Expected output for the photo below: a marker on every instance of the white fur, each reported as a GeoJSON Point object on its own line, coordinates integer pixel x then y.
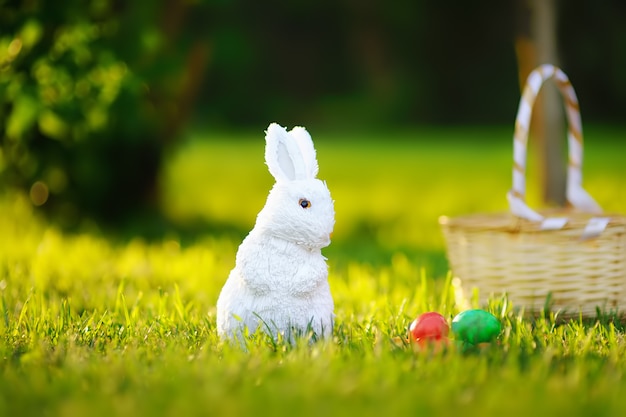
{"type": "Point", "coordinates": [280, 279]}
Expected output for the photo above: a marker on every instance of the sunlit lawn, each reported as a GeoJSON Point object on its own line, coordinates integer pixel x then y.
{"type": "Point", "coordinates": [92, 324]}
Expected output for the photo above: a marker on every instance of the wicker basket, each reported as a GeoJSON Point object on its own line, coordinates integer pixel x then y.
{"type": "Point", "coordinates": [573, 260]}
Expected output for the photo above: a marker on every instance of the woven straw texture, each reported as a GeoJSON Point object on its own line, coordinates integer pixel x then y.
{"type": "Point", "coordinates": [572, 261]}
{"type": "Point", "coordinates": [503, 255]}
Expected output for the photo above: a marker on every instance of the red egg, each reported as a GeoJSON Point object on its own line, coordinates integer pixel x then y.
{"type": "Point", "coordinates": [429, 327]}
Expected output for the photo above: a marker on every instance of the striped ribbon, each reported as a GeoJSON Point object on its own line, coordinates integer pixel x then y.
{"type": "Point", "coordinates": [575, 194]}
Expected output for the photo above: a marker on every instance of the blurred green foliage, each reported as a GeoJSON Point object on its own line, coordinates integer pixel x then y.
{"type": "Point", "coordinates": [90, 95]}
{"type": "Point", "coordinates": [376, 63]}
{"type": "Point", "coordinates": [93, 94]}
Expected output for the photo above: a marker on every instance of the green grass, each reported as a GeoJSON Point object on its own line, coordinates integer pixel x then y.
{"type": "Point", "coordinates": [94, 325]}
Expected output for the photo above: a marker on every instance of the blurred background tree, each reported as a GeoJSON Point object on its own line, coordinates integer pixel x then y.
{"type": "Point", "coordinates": [94, 93]}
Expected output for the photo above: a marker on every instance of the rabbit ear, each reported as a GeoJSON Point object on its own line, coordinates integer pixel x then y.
{"type": "Point", "coordinates": [305, 143]}
{"type": "Point", "coordinates": [283, 155]}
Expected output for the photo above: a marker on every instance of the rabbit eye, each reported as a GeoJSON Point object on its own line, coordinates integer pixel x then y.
{"type": "Point", "coordinates": [304, 203]}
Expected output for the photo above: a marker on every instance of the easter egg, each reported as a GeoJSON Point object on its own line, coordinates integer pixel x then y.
{"type": "Point", "coordinates": [429, 327]}
{"type": "Point", "coordinates": [475, 326]}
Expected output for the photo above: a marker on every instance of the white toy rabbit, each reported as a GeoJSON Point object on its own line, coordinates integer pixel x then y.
{"type": "Point", "coordinates": [280, 279]}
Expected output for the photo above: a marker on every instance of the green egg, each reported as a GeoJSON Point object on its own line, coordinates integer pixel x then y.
{"type": "Point", "coordinates": [475, 326]}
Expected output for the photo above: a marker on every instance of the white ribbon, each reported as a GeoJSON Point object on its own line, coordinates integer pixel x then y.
{"type": "Point", "coordinates": [575, 194]}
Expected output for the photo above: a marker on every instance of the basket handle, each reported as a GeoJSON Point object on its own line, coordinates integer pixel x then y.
{"type": "Point", "coordinates": [575, 194]}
